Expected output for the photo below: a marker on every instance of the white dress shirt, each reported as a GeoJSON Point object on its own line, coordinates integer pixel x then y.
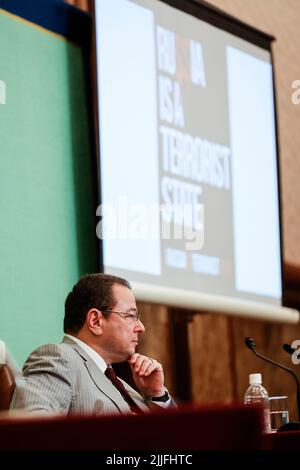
{"type": "Point", "coordinates": [100, 362]}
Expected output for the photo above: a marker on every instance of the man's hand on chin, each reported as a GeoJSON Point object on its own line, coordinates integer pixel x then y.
{"type": "Point", "coordinates": [148, 375]}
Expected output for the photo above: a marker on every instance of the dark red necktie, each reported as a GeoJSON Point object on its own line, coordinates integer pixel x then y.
{"type": "Point", "coordinates": [110, 374]}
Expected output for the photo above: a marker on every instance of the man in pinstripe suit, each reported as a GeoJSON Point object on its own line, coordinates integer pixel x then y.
{"type": "Point", "coordinates": [102, 327]}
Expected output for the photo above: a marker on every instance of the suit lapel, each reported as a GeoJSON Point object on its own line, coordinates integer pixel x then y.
{"type": "Point", "coordinates": [106, 387]}
{"type": "Point", "coordinates": [100, 379]}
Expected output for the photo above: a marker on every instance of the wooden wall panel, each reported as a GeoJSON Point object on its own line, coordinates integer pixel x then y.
{"type": "Point", "coordinates": [157, 341]}
{"type": "Point", "coordinates": [212, 371]}
{"type": "Point", "coordinates": [269, 339]}
{"type": "Point", "coordinates": [221, 363]}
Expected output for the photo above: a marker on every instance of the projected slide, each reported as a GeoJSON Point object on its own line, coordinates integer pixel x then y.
{"type": "Point", "coordinates": [188, 163]}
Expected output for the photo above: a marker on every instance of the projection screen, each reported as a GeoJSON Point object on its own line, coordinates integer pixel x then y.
{"type": "Point", "coordinates": [188, 159]}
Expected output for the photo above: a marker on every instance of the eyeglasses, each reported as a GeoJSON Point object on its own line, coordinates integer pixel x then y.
{"type": "Point", "coordinates": [132, 318]}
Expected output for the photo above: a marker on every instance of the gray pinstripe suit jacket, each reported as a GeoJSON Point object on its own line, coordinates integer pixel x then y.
{"type": "Point", "coordinates": [62, 378]}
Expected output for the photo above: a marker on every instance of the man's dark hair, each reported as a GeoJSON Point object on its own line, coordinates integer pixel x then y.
{"type": "Point", "coordinates": [91, 291]}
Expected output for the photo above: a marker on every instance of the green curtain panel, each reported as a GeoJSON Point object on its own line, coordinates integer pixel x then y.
{"type": "Point", "coordinates": [47, 232]}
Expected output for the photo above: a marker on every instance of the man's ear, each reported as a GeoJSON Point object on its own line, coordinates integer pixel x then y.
{"type": "Point", "coordinates": [94, 320]}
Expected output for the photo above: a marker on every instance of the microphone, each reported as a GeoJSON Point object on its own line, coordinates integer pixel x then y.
{"type": "Point", "coordinates": [251, 345]}
{"type": "Point", "coordinates": [288, 348]}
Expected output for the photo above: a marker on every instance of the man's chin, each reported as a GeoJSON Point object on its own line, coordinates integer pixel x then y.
{"type": "Point", "coordinates": [130, 353]}
{"type": "Point", "coordinates": [126, 355]}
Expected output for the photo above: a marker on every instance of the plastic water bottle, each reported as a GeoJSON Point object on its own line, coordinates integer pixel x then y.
{"type": "Point", "coordinates": [257, 394]}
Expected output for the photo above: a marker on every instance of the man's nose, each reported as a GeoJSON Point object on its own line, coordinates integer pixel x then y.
{"type": "Point", "coordinates": [139, 327]}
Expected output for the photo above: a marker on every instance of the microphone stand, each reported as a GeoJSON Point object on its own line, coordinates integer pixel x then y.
{"type": "Point", "coordinates": [251, 345]}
